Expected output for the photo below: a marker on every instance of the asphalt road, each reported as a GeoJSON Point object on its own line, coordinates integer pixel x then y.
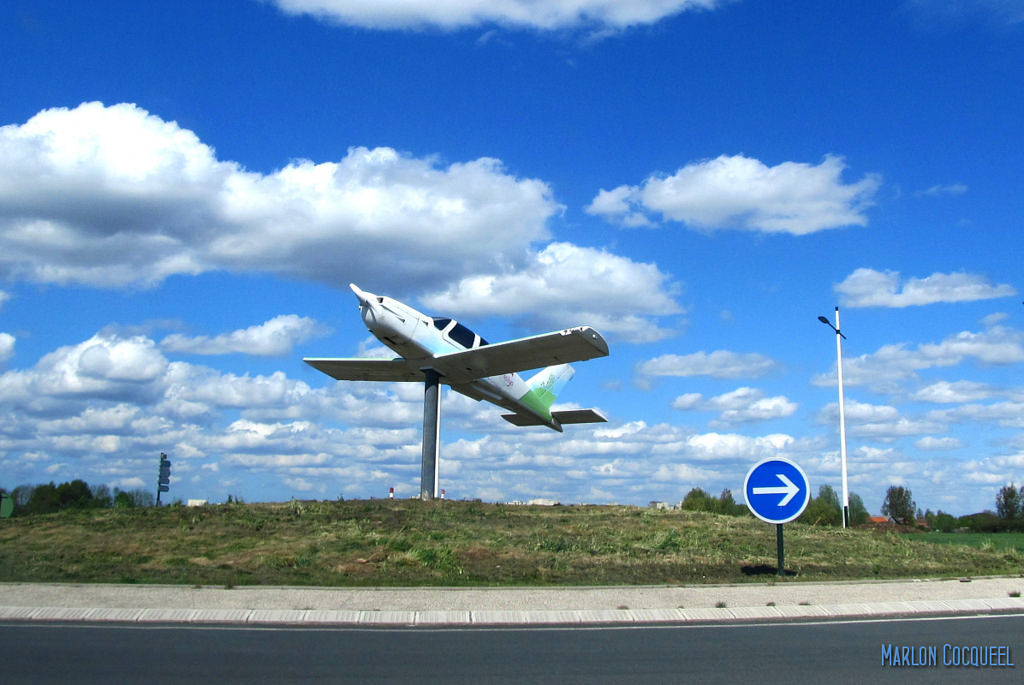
{"type": "Point", "coordinates": [834, 652]}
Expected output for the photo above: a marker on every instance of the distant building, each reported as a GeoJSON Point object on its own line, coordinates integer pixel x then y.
{"type": "Point", "coordinates": [542, 502]}
{"type": "Point", "coordinates": [196, 503]}
{"type": "Point", "coordinates": [656, 504]}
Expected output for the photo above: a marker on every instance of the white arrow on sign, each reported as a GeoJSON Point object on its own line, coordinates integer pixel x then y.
{"type": "Point", "coordinates": [788, 491]}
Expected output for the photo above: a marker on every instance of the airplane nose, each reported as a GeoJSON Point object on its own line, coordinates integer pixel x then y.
{"type": "Point", "coordinates": [368, 306]}
{"type": "Point", "coordinates": [365, 298]}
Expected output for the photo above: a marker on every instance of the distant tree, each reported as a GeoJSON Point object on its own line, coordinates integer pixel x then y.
{"type": "Point", "coordinates": [727, 504]}
{"type": "Point", "coordinates": [858, 512]}
{"type": "Point", "coordinates": [128, 499]}
{"type": "Point", "coordinates": [982, 522]}
{"type": "Point", "coordinates": [142, 498]}
{"type": "Point", "coordinates": [101, 496]}
{"type": "Point", "coordinates": [823, 510]}
{"type": "Point", "coordinates": [74, 495]}
{"type": "Point", "coordinates": [698, 500]}
{"type": "Point", "coordinates": [828, 495]}
{"type": "Point", "coordinates": [899, 504]}
{"type": "Point", "coordinates": [941, 521]}
{"type": "Point", "coordinates": [1008, 502]}
{"type": "Point", "coordinates": [22, 494]}
{"type": "Point", "coordinates": [43, 500]}
{"type": "Point", "coordinates": [122, 500]}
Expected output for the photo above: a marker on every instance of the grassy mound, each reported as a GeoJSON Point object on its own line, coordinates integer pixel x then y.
{"type": "Point", "coordinates": [409, 543]}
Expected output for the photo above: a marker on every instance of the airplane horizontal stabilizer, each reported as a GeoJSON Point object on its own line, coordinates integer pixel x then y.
{"type": "Point", "coordinates": [578, 416]}
{"type": "Point", "coordinates": [559, 418]}
{"type": "Point", "coordinates": [524, 420]}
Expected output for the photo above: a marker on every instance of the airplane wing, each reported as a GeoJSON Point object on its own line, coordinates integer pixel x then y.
{"type": "Point", "coordinates": [561, 347]}
{"type": "Point", "coordinates": [396, 370]}
{"type": "Point", "coordinates": [464, 366]}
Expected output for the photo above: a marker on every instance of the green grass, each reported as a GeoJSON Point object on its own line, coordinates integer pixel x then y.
{"type": "Point", "coordinates": [408, 542]}
{"type": "Point", "coordinates": [998, 541]}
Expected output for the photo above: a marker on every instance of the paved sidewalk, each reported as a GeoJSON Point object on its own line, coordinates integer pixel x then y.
{"type": "Point", "coordinates": [782, 600]}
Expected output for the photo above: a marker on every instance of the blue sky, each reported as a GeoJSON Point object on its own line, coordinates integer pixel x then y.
{"type": "Point", "coordinates": [187, 188]}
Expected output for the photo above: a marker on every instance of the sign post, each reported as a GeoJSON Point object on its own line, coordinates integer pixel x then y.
{"type": "Point", "coordinates": [163, 481]}
{"type": "Point", "coordinates": [777, 491]}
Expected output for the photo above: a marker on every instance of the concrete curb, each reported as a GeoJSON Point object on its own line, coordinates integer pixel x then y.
{"type": "Point", "coordinates": [437, 607]}
{"type": "Point", "coordinates": [313, 617]}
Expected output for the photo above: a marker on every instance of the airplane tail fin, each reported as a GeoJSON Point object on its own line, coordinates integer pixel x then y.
{"type": "Point", "coordinates": [544, 388]}
{"type": "Point", "coordinates": [546, 384]}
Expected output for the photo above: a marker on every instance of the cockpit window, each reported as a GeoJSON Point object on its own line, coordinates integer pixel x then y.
{"type": "Point", "coordinates": [459, 333]}
{"type": "Point", "coordinates": [462, 335]}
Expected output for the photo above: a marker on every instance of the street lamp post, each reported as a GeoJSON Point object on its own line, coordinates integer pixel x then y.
{"type": "Point", "coordinates": [842, 414]}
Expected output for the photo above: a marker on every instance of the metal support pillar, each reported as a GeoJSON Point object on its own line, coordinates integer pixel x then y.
{"type": "Point", "coordinates": [781, 549]}
{"type": "Point", "coordinates": [431, 433]}
{"type": "Point", "coordinates": [842, 424]}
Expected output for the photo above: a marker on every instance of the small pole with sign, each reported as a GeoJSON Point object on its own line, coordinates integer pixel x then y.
{"type": "Point", "coordinates": [163, 481]}
{"type": "Point", "coordinates": [777, 491]}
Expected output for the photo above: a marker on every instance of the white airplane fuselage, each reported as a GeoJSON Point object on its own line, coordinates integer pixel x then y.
{"type": "Point", "coordinates": [416, 336]}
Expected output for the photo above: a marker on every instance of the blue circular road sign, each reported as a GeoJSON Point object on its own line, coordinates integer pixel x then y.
{"type": "Point", "coordinates": [776, 490]}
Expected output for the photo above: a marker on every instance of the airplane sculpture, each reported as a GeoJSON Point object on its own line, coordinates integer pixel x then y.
{"type": "Point", "coordinates": [436, 350]}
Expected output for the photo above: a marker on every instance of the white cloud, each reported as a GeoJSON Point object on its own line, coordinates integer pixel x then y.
{"type": "Point", "coordinates": [115, 196]}
{"type": "Point", "coordinates": [890, 430]}
{"type": "Point", "coordinates": [743, 405]}
{"type": "Point", "coordinates": [689, 401]}
{"type": "Point", "coordinates": [275, 337]}
{"type": "Point", "coordinates": [619, 204]}
{"type": "Point", "coordinates": [865, 413]}
{"type": "Point", "coordinates": [884, 370]}
{"type": "Point", "coordinates": [116, 419]}
{"type": "Point", "coordinates": [566, 285]}
{"type": "Point", "coordinates": [878, 421]}
{"type": "Point", "coordinates": [1009, 414]}
{"type": "Point", "coordinates": [890, 365]}
{"type": "Point", "coordinates": [631, 428]}
{"type": "Point", "coordinates": [870, 288]}
{"type": "Point", "coordinates": [304, 485]}
{"type": "Point", "coordinates": [534, 14]}
{"type": "Point", "coordinates": [944, 392]}
{"type": "Point", "coordinates": [212, 389]}
{"type": "Point", "coordinates": [950, 189]}
{"type": "Point", "coordinates": [997, 345]}
{"type": "Point", "coordinates": [717, 364]}
{"type": "Point", "coordinates": [6, 346]}
{"type": "Point", "coordinates": [742, 193]}
{"type": "Point", "coordinates": [103, 367]}
{"type": "Point", "coordinates": [724, 446]}
{"type": "Point", "coordinates": [931, 443]}
{"type": "Point", "coordinates": [684, 473]}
